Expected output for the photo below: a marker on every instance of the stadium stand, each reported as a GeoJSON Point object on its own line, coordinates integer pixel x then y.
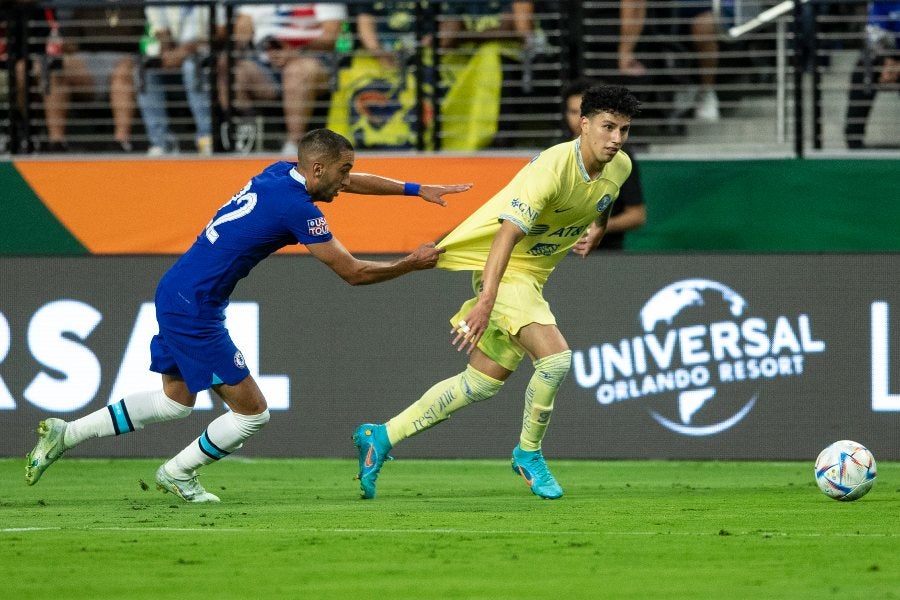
{"type": "Point", "coordinates": [781, 82]}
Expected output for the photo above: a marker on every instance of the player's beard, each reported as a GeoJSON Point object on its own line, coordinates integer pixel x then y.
{"type": "Point", "coordinates": [322, 196]}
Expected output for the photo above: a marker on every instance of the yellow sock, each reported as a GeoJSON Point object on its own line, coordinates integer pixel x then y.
{"type": "Point", "coordinates": [441, 401]}
{"type": "Point", "coordinates": [549, 373]}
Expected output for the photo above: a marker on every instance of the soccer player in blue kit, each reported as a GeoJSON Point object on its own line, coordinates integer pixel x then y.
{"type": "Point", "coordinates": [193, 350]}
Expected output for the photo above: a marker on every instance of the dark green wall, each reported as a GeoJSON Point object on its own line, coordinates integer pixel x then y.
{"type": "Point", "coordinates": [26, 226]}
{"type": "Point", "coordinates": [786, 205]}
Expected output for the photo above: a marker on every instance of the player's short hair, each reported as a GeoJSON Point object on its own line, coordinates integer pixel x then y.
{"type": "Point", "coordinates": [322, 145]}
{"type": "Point", "coordinates": [609, 98]}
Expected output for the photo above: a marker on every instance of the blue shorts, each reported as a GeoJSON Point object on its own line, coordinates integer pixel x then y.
{"type": "Point", "coordinates": [198, 350]}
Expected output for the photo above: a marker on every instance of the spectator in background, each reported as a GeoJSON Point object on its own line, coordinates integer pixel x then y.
{"type": "Point", "coordinates": [293, 59]}
{"type": "Point", "coordinates": [387, 30]}
{"type": "Point", "coordinates": [628, 211]}
{"type": "Point", "coordinates": [384, 98]}
{"type": "Point", "coordinates": [176, 41]}
{"type": "Point", "coordinates": [96, 59]}
{"type": "Point", "coordinates": [704, 23]}
{"type": "Point", "coordinates": [502, 20]}
{"type": "Point", "coordinates": [632, 14]}
{"type": "Point", "coordinates": [15, 92]}
{"type": "Point", "coordinates": [484, 43]}
{"type": "Point", "coordinates": [878, 66]}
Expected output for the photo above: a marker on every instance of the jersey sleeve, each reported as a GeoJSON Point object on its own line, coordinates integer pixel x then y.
{"type": "Point", "coordinates": [538, 187]}
{"type": "Point", "coordinates": [307, 223]}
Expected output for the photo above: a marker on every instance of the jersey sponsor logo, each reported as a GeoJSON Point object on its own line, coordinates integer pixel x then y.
{"type": "Point", "coordinates": [317, 226]}
{"type": "Point", "coordinates": [562, 232]}
{"type": "Point", "coordinates": [604, 202]}
{"type": "Point", "coordinates": [543, 249]}
{"type": "Point", "coordinates": [565, 232]}
{"type": "Point", "coordinates": [562, 210]}
{"type": "Point", "coordinates": [522, 208]}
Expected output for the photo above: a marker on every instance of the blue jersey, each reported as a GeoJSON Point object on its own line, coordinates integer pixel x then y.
{"type": "Point", "coordinates": [885, 15]}
{"type": "Point", "coordinates": [272, 211]}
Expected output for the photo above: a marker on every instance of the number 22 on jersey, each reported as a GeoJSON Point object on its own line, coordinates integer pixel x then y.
{"type": "Point", "coordinates": [243, 202]}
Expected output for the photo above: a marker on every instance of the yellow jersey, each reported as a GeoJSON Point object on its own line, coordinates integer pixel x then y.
{"type": "Point", "coordinates": [552, 199]}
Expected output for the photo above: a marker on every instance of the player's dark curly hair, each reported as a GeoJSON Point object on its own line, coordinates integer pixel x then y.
{"type": "Point", "coordinates": [323, 144]}
{"type": "Point", "coordinates": [611, 99]}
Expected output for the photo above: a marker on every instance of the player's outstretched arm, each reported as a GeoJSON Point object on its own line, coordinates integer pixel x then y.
{"type": "Point", "coordinates": [363, 272]}
{"type": "Point", "coordinates": [376, 185]}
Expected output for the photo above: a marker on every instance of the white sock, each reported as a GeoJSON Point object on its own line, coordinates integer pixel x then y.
{"type": "Point", "coordinates": [128, 414]}
{"type": "Point", "coordinates": [223, 436]}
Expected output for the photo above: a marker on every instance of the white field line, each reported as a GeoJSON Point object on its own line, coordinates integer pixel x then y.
{"type": "Point", "coordinates": [349, 530]}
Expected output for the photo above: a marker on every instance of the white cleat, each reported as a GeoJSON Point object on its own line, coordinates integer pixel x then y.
{"type": "Point", "coordinates": [188, 490]}
{"type": "Point", "coordinates": [50, 446]}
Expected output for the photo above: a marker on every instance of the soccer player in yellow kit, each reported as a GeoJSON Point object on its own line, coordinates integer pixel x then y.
{"type": "Point", "coordinates": [559, 202]}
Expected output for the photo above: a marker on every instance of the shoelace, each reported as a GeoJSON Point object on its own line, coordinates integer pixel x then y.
{"type": "Point", "coordinates": [538, 467]}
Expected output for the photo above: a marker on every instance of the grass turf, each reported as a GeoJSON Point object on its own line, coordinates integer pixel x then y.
{"type": "Point", "coordinates": [447, 529]}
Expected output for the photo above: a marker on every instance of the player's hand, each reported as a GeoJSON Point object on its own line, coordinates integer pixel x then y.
{"type": "Point", "coordinates": [425, 256]}
{"type": "Point", "coordinates": [436, 193]}
{"type": "Point", "coordinates": [582, 247]}
{"type": "Point", "coordinates": [470, 329]}
{"type": "Point", "coordinates": [588, 241]}
{"type": "Point", "coordinates": [585, 245]}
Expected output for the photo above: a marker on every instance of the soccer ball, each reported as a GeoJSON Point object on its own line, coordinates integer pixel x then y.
{"type": "Point", "coordinates": [845, 471]}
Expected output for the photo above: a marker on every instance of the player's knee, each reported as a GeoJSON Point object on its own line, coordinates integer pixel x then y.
{"type": "Point", "coordinates": [477, 386]}
{"type": "Point", "coordinates": [554, 367]}
{"type": "Point", "coordinates": [250, 424]}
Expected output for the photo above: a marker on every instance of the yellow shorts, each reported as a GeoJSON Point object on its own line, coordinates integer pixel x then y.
{"type": "Point", "coordinates": [520, 302]}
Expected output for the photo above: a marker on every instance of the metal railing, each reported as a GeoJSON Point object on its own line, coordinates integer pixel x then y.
{"type": "Point", "coordinates": [781, 76]}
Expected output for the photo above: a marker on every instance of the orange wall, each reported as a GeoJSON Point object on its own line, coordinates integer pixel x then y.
{"type": "Point", "coordinates": [160, 206]}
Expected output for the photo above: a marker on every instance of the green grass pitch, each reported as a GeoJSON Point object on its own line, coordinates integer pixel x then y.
{"type": "Point", "coordinates": [447, 529]}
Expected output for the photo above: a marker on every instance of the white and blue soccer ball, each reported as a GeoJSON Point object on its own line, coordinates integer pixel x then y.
{"type": "Point", "coordinates": [845, 470]}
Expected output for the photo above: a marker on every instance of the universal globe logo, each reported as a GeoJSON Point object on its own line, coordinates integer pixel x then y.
{"type": "Point", "coordinates": [701, 348]}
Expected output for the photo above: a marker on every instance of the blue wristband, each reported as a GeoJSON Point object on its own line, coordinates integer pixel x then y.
{"type": "Point", "coordinates": [411, 189]}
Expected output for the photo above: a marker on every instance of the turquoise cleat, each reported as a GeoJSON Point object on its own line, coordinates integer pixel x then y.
{"type": "Point", "coordinates": [533, 469]}
{"type": "Point", "coordinates": [373, 444]}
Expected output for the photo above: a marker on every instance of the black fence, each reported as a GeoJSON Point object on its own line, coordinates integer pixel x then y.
{"type": "Point", "coordinates": [456, 75]}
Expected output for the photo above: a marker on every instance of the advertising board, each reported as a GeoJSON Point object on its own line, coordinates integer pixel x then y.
{"type": "Point", "coordinates": [674, 356]}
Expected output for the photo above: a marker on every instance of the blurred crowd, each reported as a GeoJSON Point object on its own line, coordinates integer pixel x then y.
{"type": "Point", "coordinates": [207, 77]}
